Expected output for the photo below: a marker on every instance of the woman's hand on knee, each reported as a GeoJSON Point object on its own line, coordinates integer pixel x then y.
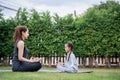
{"type": "Point", "coordinates": [35, 59]}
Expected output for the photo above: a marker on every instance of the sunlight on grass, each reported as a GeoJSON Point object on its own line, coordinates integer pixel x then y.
{"type": "Point", "coordinates": [98, 74]}
{"type": "Point", "coordinates": [5, 68]}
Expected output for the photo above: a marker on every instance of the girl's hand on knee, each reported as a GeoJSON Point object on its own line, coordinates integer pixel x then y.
{"type": "Point", "coordinates": [61, 64]}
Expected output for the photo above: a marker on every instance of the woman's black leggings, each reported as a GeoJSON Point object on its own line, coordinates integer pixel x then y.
{"type": "Point", "coordinates": [26, 67]}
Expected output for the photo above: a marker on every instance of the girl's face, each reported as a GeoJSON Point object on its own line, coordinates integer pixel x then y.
{"type": "Point", "coordinates": [26, 34]}
{"type": "Point", "coordinates": [67, 49]}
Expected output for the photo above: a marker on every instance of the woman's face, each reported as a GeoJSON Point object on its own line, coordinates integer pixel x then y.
{"type": "Point", "coordinates": [26, 34]}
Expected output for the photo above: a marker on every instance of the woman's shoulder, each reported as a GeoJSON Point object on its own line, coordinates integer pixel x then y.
{"type": "Point", "coordinates": [20, 43]}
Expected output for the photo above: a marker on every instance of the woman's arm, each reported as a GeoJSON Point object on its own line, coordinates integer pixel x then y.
{"type": "Point", "coordinates": [20, 46]}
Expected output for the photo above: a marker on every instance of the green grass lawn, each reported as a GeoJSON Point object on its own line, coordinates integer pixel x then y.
{"type": "Point", "coordinates": [97, 74]}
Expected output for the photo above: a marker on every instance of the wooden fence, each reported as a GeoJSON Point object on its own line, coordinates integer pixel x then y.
{"type": "Point", "coordinates": [82, 61]}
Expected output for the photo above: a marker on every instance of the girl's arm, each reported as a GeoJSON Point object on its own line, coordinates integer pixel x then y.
{"type": "Point", "coordinates": [72, 60]}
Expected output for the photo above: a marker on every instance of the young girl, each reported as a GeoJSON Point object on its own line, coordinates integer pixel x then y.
{"type": "Point", "coordinates": [20, 60]}
{"type": "Point", "coordinates": [70, 64]}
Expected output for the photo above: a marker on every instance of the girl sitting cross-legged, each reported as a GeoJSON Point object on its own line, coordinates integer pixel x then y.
{"type": "Point", "coordinates": [70, 65]}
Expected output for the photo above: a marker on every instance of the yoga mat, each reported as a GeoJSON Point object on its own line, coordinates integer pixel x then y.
{"type": "Point", "coordinates": [52, 71]}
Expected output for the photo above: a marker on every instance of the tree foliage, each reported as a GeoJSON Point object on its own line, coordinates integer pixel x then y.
{"type": "Point", "coordinates": [96, 32]}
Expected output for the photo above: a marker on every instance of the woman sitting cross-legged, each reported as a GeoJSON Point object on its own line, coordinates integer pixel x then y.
{"type": "Point", "coordinates": [20, 62]}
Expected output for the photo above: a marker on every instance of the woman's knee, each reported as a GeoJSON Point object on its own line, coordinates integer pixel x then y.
{"type": "Point", "coordinates": [38, 65]}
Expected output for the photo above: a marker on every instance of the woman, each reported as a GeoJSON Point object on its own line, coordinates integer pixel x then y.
{"type": "Point", "coordinates": [70, 64]}
{"type": "Point", "coordinates": [20, 62]}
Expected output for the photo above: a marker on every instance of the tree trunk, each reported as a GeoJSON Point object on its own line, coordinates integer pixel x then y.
{"type": "Point", "coordinates": [119, 61]}
{"type": "Point", "coordinates": [83, 61]}
{"type": "Point", "coordinates": [90, 61]}
{"type": "Point", "coordinates": [49, 61]}
{"type": "Point", "coordinates": [0, 59]}
{"type": "Point", "coordinates": [5, 60]}
{"type": "Point", "coordinates": [107, 59]}
{"type": "Point", "coordinates": [96, 64]}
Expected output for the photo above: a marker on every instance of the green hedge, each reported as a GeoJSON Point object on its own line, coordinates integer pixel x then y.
{"type": "Point", "coordinates": [96, 32]}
